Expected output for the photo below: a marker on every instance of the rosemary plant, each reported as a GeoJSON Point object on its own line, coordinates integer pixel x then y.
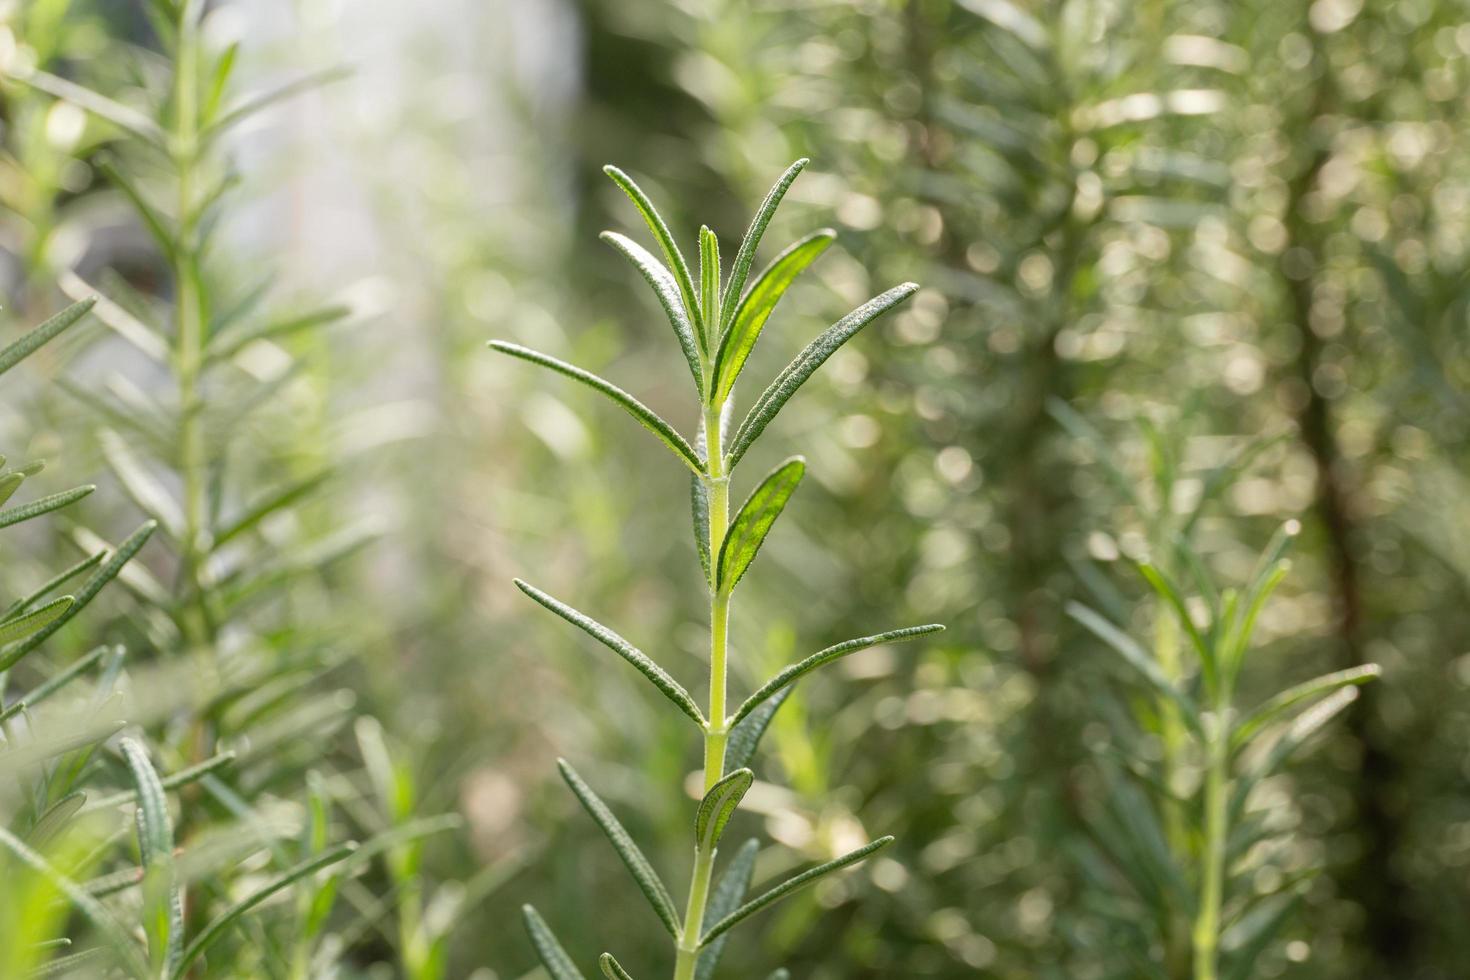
{"type": "Point", "coordinates": [716, 324]}
{"type": "Point", "coordinates": [1182, 838]}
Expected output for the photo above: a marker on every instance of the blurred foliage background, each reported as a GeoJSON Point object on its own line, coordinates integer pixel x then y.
{"type": "Point", "coordinates": [1204, 231]}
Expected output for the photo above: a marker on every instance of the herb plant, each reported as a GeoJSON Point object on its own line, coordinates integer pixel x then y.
{"type": "Point", "coordinates": [1183, 841]}
{"type": "Point", "coordinates": [716, 324]}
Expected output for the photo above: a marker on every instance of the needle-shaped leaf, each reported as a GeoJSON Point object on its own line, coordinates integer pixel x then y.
{"type": "Point", "coordinates": [718, 806]}
{"type": "Point", "coordinates": [1135, 656]}
{"type": "Point", "coordinates": [1301, 729]}
{"type": "Point", "coordinates": [9, 483]}
{"type": "Point", "coordinates": [22, 626]}
{"type": "Point", "coordinates": [163, 236]}
{"type": "Point", "coordinates": [12, 652]}
{"type": "Point", "coordinates": [1162, 584]}
{"type": "Point", "coordinates": [141, 486]}
{"type": "Point", "coordinates": [101, 106]}
{"type": "Point", "coordinates": [56, 817]}
{"type": "Point", "coordinates": [794, 673]}
{"type": "Point", "coordinates": [753, 522]}
{"type": "Point", "coordinates": [728, 893]}
{"type": "Point", "coordinates": [740, 268]}
{"type": "Point", "coordinates": [59, 680]}
{"type": "Point", "coordinates": [709, 282]}
{"type": "Point", "coordinates": [228, 343]}
{"type": "Point", "coordinates": [745, 736]}
{"type": "Point", "coordinates": [699, 510]}
{"type": "Point", "coordinates": [269, 504]}
{"type": "Point", "coordinates": [612, 969]}
{"type": "Point", "coordinates": [667, 291]}
{"type": "Point", "coordinates": [666, 685]}
{"type": "Point", "coordinates": [552, 956]}
{"type": "Point", "coordinates": [647, 879]}
{"type": "Point", "coordinates": [56, 582]}
{"type": "Point", "coordinates": [32, 341]}
{"type": "Point", "coordinates": [759, 303]}
{"type": "Point", "coordinates": [216, 928]}
{"type": "Point", "coordinates": [254, 104]}
{"type": "Point", "coordinates": [45, 505]}
{"type": "Point", "coordinates": [787, 887]}
{"type": "Point", "coordinates": [163, 905]}
{"type": "Point", "coordinates": [795, 374]}
{"type": "Point", "coordinates": [666, 244]}
{"type": "Point", "coordinates": [173, 780]}
{"type": "Point", "coordinates": [1295, 697]}
{"type": "Point", "coordinates": [645, 415]}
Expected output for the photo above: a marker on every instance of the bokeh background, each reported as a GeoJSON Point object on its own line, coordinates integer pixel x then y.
{"type": "Point", "coordinates": [1180, 227]}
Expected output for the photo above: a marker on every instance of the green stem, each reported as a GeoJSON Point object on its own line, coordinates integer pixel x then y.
{"type": "Point", "coordinates": [1212, 880]}
{"type": "Point", "coordinates": [189, 322]}
{"type": "Point", "coordinates": [715, 733]}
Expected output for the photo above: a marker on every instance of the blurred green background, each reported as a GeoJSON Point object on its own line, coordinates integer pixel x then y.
{"type": "Point", "coordinates": [1186, 225]}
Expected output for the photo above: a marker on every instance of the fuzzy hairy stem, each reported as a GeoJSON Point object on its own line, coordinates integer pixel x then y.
{"type": "Point", "coordinates": [715, 732]}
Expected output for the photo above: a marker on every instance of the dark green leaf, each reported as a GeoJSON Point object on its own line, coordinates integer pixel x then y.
{"type": "Point", "coordinates": [757, 306]}
{"type": "Point", "coordinates": [631, 405]}
{"type": "Point", "coordinates": [33, 341]}
{"type": "Point", "coordinates": [718, 806]}
{"type": "Point", "coordinates": [666, 243]}
{"type": "Point", "coordinates": [793, 673]}
{"type": "Point", "coordinates": [795, 374]}
{"type": "Point", "coordinates": [11, 653]}
{"type": "Point", "coordinates": [740, 268]}
{"type": "Point", "coordinates": [699, 509]}
{"type": "Point", "coordinates": [24, 625]}
{"type": "Point", "coordinates": [667, 291]}
{"type": "Point", "coordinates": [753, 522]}
{"type": "Point", "coordinates": [553, 957]}
{"type": "Point", "coordinates": [745, 737]}
{"type": "Point", "coordinates": [667, 686]}
{"type": "Point", "coordinates": [611, 969]}
{"type": "Point", "coordinates": [36, 508]}
{"type": "Point", "coordinates": [790, 885]}
{"type": "Point", "coordinates": [647, 879]}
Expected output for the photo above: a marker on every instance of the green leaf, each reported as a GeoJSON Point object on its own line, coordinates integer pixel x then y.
{"type": "Point", "coordinates": [33, 341]}
{"type": "Point", "coordinates": [56, 817]}
{"type": "Point", "coordinates": [59, 681]}
{"type": "Point", "coordinates": [751, 525]}
{"type": "Point", "coordinates": [141, 486]}
{"type": "Point", "coordinates": [757, 306]}
{"type": "Point", "coordinates": [1169, 592]}
{"type": "Point", "coordinates": [212, 932]}
{"type": "Point", "coordinates": [728, 893]}
{"type": "Point", "coordinates": [124, 117]}
{"type": "Point", "coordinates": [611, 969]}
{"type": "Point", "coordinates": [268, 505]}
{"type": "Point", "coordinates": [666, 243]}
{"type": "Point", "coordinates": [164, 237]}
{"type": "Point", "coordinates": [718, 806]}
{"type": "Point", "coordinates": [793, 673]}
{"type": "Point", "coordinates": [121, 945]}
{"type": "Point", "coordinates": [1301, 729]}
{"type": "Point", "coordinates": [667, 291]}
{"type": "Point", "coordinates": [647, 879]}
{"type": "Point", "coordinates": [9, 483]}
{"type": "Point", "coordinates": [163, 905]}
{"type": "Point", "coordinates": [1294, 697]}
{"type": "Point", "coordinates": [227, 343]}
{"type": "Point", "coordinates": [699, 510]}
{"type": "Point", "coordinates": [219, 81]}
{"type": "Point", "coordinates": [787, 887]}
{"type": "Point", "coordinates": [1135, 656]}
{"type": "Point", "coordinates": [26, 601]}
{"type": "Point", "coordinates": [667, 686]}
{"type": "Point", "coordinates": [45, 505]}
{"type": "Point", "coordinates": [795, 374]}
{"type": "Point", "coordinates": [745, 736]}
{"type": "Point", "coordinates": [23, 626]}
{"type": "Point", "coordinates": [740, 268]}
{"type": "Point", "coordinates": [264, 100]}
{"type": "Point", "coordinates": [12, 652]}
{"type": "Point", "coordinates": [631, 405]}
{"type": "Point", "coordinates": [552, 956]}
{"type": "Point", "coordinates": [709, 281]}
{"type": "Point", "coordinates": [173, 780]}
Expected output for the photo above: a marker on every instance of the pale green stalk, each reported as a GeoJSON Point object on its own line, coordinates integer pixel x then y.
{"type": "Point", "coordinates": [1217, 830]}
{"type": "Point", "coordinates": [715, 729]}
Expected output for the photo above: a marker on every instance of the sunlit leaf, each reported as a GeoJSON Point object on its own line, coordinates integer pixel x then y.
{"type": "Point", "coordinates": [666, 243]}
{"type": "Point", "coordinates": [718, 806]}
{"type": "Point", "coordinates": [662, 282]}
{"type": "Point", "coordinates": [754, 521]}
{"type": "Point", "coordinates": [740, 267]}
{"type": "Point", "coordinates": [550, 951]}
